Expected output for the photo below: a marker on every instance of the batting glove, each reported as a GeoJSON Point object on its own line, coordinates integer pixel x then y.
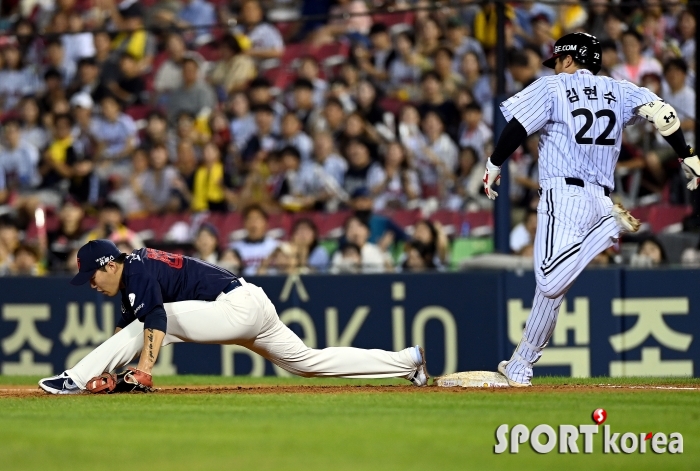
{"type": "Point", "coordinates": [492, 176]}
{"type": "Point", "coordinates": [691, 169]}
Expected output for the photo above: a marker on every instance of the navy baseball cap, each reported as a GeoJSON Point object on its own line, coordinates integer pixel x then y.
{"type": "Point", "coordinates": [92, 256]}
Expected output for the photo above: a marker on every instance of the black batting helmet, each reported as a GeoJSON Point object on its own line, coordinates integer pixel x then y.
{"type": "Point", "coordinates": [584, 48]}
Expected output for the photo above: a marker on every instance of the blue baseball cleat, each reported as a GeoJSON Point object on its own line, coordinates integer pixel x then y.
{"type": "Point", "coordinates": [59, 384]}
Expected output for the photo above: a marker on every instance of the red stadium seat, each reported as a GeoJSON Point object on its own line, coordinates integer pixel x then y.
{"type": "Point", "coordinates": [293, 52]}
{"type": "Point", "coordinates": [663, 215]}
{"type": "Point", "coordinates": [395, 18]}
{"type": "Point", "coordinates": [138, 112]}
{"type": "Point", "coordinates": [331, 223]}
{"type": "Point", "coordinates": [404, 217]}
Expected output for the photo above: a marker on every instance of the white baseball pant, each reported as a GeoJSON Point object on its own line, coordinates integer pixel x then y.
{"type": "Point", "coordinates": [246, 317]}
{"type": "Point", "coordinates": [574, 225]}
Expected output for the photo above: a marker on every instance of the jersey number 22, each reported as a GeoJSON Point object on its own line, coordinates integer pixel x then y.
{"type": "Point", "coordinates": [601, 140]}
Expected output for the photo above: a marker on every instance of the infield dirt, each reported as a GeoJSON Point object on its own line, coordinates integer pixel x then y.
{"type": "Point", "coordinates": [31, 391]}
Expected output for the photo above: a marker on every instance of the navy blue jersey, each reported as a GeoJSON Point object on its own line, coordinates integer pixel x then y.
{"type": "Point", "coordinates": [153, 277]}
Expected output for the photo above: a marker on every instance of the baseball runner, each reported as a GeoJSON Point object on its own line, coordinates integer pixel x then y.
{"type": "Point", "coordinates": [581, 118]}
{"type": "Point", "coordinates": [169, 298]}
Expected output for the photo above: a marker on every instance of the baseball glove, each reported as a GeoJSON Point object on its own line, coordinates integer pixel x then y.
{"type": "Point", "coordinates": [131, 380]}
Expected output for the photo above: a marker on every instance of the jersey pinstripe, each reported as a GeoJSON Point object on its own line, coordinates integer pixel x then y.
{"type": "Point", "coordinates": [581, 118]}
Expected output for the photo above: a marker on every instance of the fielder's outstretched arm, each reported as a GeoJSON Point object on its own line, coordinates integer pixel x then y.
{"type": "Point", "coordinates": [154, 326]}
{"type": "Point", "coordinates": [512, 136]}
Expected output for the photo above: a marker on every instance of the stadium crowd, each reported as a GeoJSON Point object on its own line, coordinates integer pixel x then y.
{"type": "Point", "coordinates": [118, 112]}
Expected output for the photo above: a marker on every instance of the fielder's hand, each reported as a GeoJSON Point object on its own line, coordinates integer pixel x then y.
{"type": "Point", "coordinates": [492, 176]}
{"type": "Point", "coordinates": [691, 168]}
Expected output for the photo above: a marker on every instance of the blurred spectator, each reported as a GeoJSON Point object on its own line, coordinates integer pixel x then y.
{"type": "Point", "coordinates": [16, 78]}
{"type": "Point", "coordinates": [521, 71]}
{"type": "Point", "coordinates": [264, 140]}
{"type": "Point", "coordinates": [304, 100]}
{"type": "Point", "coordinates": [26, 262]}
{"type": "Point", "coordinates": [434, 100]}
{"type": "Point", "coordinates": [372, 259]}
{"type": "Point", "coordinates": [18, 159]}
{"type": "Point", "coordinates": [596, 18]}
{"type": "Point", "coordinates": [110, 225]}
{"type": "Point", "coordinates": [155, 189]}
{"type": "Point", "coordinates": [133, 37]}
{"type": "Point", "coordinates": [116, 133]}
{"type": "Point", "coordinates": [56, 59]}
{"type": "Point", "coordinates": [650, 253]}
{"type": "Point", "coordinates": [467, 190]}
{"type": "Point", "coordinates": [681, 96]}
{"type": "Point", "coordinates": [635, 65]}
{"type": "Point", "coordinates": [183, 186]}
{"type": "Point", "coordinates": [234, 70]}
{"type": "Point", "coordinates": [129, 86]}
{"type": "Point", "coordinates": [686, 33]}
{"type": "Point", "coordinates": [356, 128]}
{"type": "Point", "coordinates": [156, 132]}
{"type": "Point", "coordinates": [55, 163]}
{"type": "Point", "coordinates": [77, 42]}
{"type": "Point", "coordinates": [208, 186]}
{"type": "Point", "coordinates": [54, 93]}
{"type": "Point", "coordinates": [459, 42]}
{"type": "Point", "coordinates": [304, 238]}
{"type": "Point", "coordinates": [393, 184]}
{"type": "Point", "coordinates": [330, 119]}
{"type": "Point", "coordinates": [435, 154]}
{"type": "Point", "coordinates": [32, 130]}
{"type": "Point", "coordinates": [349, 19]}
{"type": "Point", "coordinates": [449, 79]}
{"type": "Point", "coordinates": [194, 96]}
{"type": "Point", "coordinates": [523, 234]}
{"type": "Point", "coordinates": [88, 80]}
{"type": "Point", "coordinates": [359, 163]}
{"type": "Point", "coordinates": [611, 56]}
{"type": "Point", "coordinates": [31, 45]}
{"type": "Point", "coordinates": [525, 13]}
{"type": "Point", "coordinates": [196, 13]}
{"type": "Point", "coordinates": [306, 185]}
{"type": "Point", "coordinates": [206, 244]}
{"type": "Point", "coordinates": [104, 58]}
{"type": "Point", "coordinates": [433, 237]}
{"type": "Point", "coordinates": [327, 156]}
{"type": "Point", "coordinates": [127, 192]}
{"type": "Point", "coordinates": [283, 260]}
{"type": "Point", "coordinates": [260, 93]}
{"type": "Point", "coordinates": [266, 40]}
{"type": "Point", "coordinates": [375, 63]}
{"type": "Point", "coordinates": [168, 77]}
{"type": "Point", "coordinates": [256, 246]}
{"type": "Point", "coordinates": [474, 133]}
{"type": "Point", "coordinates": [66, 238]}
{"type": "Point", "coordinates": [348, 259]}
{"type": "Point", "coordinates": [9, 242]}
{"type": "Point", "coordinates": [405, 67]}
{"type": "Point", "coordinates": [367, 103]}
{"type": "Point", "coordinates": [309, 70]}
{"type": "Point", "coordinates": [242, 122]}
{"type": "Point", "coordinates": [418, 257]}
{"type": "Point", "coordinates": [292, 135]}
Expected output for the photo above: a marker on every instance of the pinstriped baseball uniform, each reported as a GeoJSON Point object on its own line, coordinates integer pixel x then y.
{"type": "Point", "coordinates": [581, 118]}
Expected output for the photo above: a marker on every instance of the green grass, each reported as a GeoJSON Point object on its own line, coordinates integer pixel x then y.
{"type": "Point", "coordinates": [337, 431]}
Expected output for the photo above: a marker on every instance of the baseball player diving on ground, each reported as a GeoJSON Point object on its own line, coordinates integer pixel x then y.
{"type": "Point", "coordinates": [168, 298]}
{"type": "Point", "coordinates": [580, 118]}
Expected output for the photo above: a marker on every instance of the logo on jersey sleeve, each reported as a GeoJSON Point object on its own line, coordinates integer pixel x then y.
{"type": "Point", "coordinates": [132, 299]}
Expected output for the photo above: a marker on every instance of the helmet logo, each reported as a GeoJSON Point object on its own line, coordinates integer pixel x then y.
{"type": "Point", "coordinates": [583, 51]}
